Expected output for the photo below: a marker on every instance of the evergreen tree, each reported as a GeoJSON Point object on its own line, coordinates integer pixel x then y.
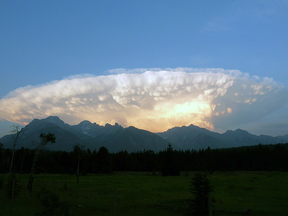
{"type": "Point", "coordinates": [169, 167]}
{"type": "Point", "coordinates": [201, 190]}
{"type": "Point", "coordinates": [103, 161]}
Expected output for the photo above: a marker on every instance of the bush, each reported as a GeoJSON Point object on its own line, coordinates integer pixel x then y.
{"type": "Point", "coordinates": [51, 204]}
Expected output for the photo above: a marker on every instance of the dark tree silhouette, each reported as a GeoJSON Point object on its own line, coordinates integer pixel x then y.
{"type": "Point", "coordinates": [169, 167]}
{"type": "Point", "coordinates": [201, 190]}
{"type": "Point", "coordinates": [169, 161]}
{"type": "Point", "coordinates": [103, 163]}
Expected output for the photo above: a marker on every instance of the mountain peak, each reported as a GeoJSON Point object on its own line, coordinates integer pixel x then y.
{"type": "Point", "coordinates": [115, 125]}
{"type": "Point", "coordinates": [54, 119]}
{"type": "Point", "coordinates": [85, 122]}
{"type": "Point", "coordinates": [193, 126]}
{"type": "Point", "coordinates": [240, 131]}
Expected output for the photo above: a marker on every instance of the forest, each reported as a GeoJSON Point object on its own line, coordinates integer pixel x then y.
{"type": "Point", "coordinates": [252, 158]}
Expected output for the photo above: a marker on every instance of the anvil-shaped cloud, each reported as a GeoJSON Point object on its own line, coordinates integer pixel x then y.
{"type": "Point", "coordinates": [151, 99]}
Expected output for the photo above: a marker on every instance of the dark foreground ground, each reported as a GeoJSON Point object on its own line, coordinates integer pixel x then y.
{"type": "Point", "coordinates": [122, 193]}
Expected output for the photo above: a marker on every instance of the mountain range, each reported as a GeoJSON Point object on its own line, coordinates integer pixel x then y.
{"type": "Point", "coordinates": [116, 138]}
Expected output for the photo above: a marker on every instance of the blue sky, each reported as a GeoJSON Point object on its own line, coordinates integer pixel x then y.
{"type": "Point", "coordinates": [52, 41]}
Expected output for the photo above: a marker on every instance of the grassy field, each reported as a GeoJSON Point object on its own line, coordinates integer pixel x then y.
{"type": "Point", "coordinates": [266, 193]}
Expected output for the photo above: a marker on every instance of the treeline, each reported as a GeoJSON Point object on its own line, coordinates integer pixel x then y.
{"type": "Point", "coordinates": [260, 158]}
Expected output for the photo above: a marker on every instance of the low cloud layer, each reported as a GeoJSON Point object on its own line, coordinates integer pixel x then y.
{"type": "Point", "coordinates": [152, 99]}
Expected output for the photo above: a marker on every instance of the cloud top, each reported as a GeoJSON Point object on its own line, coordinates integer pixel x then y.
{"type": "Point", "coordinates": [152, 99]}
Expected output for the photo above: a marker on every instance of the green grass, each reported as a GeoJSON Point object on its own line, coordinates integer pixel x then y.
{"type": "Point", "coordinates": [140, 194]}
{"type": "Point", "coordinates": [264, 192]}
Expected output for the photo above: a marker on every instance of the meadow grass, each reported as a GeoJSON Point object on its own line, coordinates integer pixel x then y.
{"type": "Point", "coordinates": [129, 193]}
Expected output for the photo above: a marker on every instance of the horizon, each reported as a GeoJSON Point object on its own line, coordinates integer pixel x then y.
{"type": "Point", "coordinates": [218, 65]}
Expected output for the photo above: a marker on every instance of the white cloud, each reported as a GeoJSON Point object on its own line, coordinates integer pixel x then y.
{"type": "Point", "coordinates": [151, 99]}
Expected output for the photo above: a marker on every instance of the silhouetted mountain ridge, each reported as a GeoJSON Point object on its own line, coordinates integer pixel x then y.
{"type": "Point", "coordinates": [116, 138]}
{"type": "Point", "coordinates": [193, 137]}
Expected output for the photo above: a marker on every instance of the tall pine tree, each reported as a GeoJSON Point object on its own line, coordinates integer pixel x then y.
{"type": "Point", "coordinates": [169, 167]}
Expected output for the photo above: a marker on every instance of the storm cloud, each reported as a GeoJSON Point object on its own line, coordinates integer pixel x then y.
{"type": "Point", "coordinates": [152, 99]}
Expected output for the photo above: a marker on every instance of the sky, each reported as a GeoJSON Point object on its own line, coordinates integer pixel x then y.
{"type": "Point", "coordinates": [150, 64]}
